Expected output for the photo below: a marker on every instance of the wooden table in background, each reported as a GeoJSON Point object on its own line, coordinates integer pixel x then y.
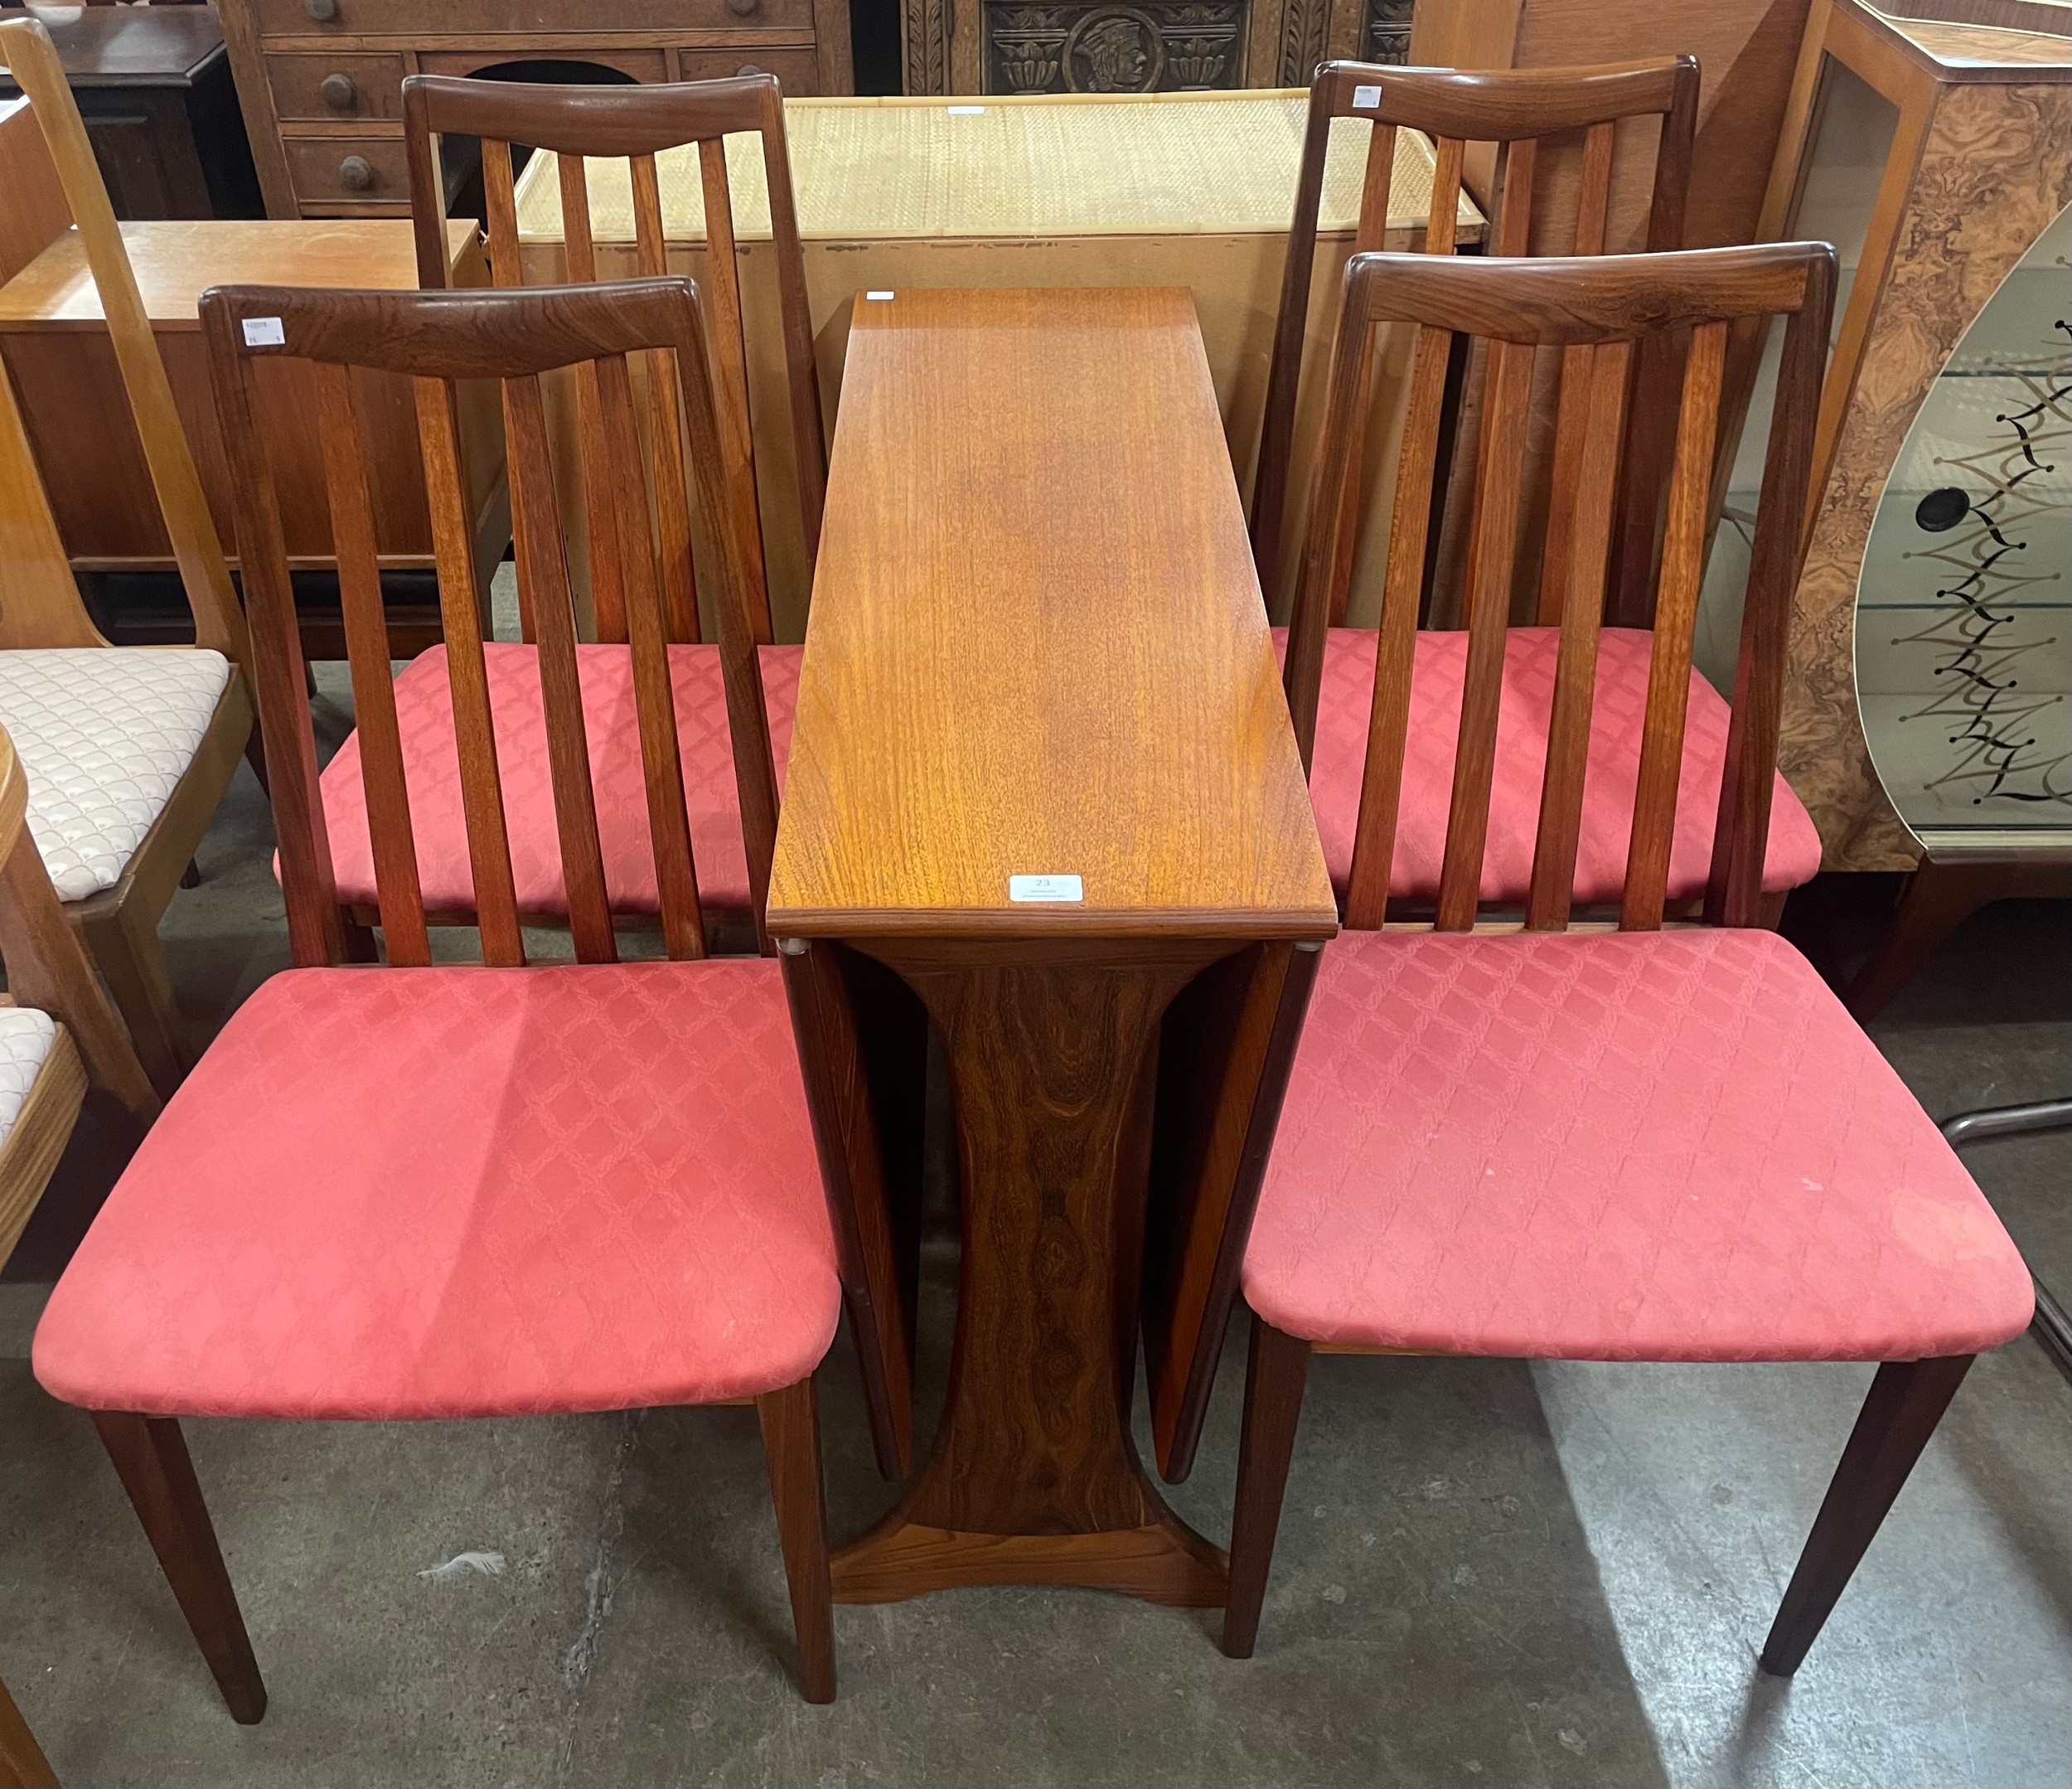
{"type": "Point", "coordinates": [1037, 647]}
{"type": "Point", "coordinates": [54, 341]}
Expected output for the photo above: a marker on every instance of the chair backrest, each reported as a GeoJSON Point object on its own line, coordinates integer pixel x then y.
{"type": "Point", "coordinates": [1512, 108]}
{"type": "Point", "coordinates": [1597, 314]}
{"type": "Point", "coordinates": [50, 613]}
{"type": "Point", "coordinates": [638, 123]}
{"type": "Point", "coordinates": [436, 339]}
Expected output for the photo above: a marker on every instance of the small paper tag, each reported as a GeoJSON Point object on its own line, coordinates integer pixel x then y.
{"type": "Point", "coordinates": [877, 297]}
{"type": "Point", "coordinates": [1367, 98]}
{"type": "Point", "coordinates": [1045, 889]}
{"type": "Point", "coordinates": [963, 111]}
{"type": "Point", "coordinates": [264, 332]}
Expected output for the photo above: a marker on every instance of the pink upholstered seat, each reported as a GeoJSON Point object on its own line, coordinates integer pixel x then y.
{"type": "Point", "coordinates": [447, 1192]}
{"type": "Point", "coordinates": [1347, 700]}
{"type": "Point", "coordinates": [1634, 1146]}
{"type": "Point", "coordinates": [424, 717]}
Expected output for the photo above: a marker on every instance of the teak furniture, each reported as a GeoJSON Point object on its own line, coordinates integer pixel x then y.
{"type": "Point", "coordinates": [1093, 807]}
{"type": "Point", "coordinates": [154, 85]}
{"type": "Point", "coordinates": [322, 79]}
{"type": "Point", "coordinates": [561, 1188]}
{"type": "Point", "coordinates": [635, 125]}
{"type": "Point", "coordinates": [22, 1764]}
{"type": "Point", "coordinates": [1980, 163]}
{"type": "Point", "coordinates": [53, 336]}
{"type": "Point", "coordinates": [1097, 46]}
{"type": "Point", "coordinates": [1460, 111]}
{"type": "Point", "coordinates": [1647, 1145]}
{"type": "Point", "coordinates": [133, 748]}
{"type": "Point", "coordinates": [1182, 189]}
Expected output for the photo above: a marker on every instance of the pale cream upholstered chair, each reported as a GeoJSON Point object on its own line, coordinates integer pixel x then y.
{"type": "Point", "coordinates": [128, 749]}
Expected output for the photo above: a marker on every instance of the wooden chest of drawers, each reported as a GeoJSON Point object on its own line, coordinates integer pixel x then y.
{"type": "Point", "coordinates": [320, 79]}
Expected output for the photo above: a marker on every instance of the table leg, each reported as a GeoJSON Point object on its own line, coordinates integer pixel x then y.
{"type": "Point", "coordinates": [1033, 1478]}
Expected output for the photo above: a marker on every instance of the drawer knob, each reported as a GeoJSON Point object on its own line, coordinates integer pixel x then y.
{"type": "Point", "coordinates": [322, 11]}
{"type": "Point", "coordinates": [356, 173]}
{"type": "Point", "coordinates": [749, 68]}
{"type": "Point", "coordinates": [743, 8]}
{"type": "Point", "coordinates": [339, 92]}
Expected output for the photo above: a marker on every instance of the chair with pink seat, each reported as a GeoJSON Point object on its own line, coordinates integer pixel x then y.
{"type": "Point", "coordinates": [1650, 1143]}
{"type": "Point", "coordinates": [415, 1190]}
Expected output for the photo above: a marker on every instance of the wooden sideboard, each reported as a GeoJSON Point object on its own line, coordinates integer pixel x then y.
{"type": "Point", "coordinates": [1015, 46]}
{"type": "Point", "coordinates": [321, 79]}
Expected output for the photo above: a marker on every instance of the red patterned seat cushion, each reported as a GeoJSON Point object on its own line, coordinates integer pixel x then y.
{"type": "Point", "coordinates": [424, 718]}
{"type": "Point", "coordinates": [1634, 1146]}
{"type": "Point", "coordinates": [445, 1192]}
{"type": "Point", "coordinates": [1347, 700]}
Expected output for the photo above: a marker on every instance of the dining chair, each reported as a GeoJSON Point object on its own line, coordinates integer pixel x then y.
{"type": "Point", "coordinates": [410, 1189]}
{"type": "Point", "coordinates": [128, 749]}
{"type": "Point", "coordinates": [22, 1764]}
{"type": "Point", "coordinates": [637, 122]}
{"type": "Point", "coordinates": [1511, 111]}
{"type": "Point", "coordinates": [1648, 1143]}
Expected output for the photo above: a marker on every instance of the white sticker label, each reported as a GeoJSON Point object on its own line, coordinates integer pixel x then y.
{"type": "Point", "coordinates": [264, 332]}
{"type": "Point", "coordinates": [877, 297]}
{"type": "Point", "coordinates": [1367, 98]}
{"type": "Point", "coordinates": [963, 111]}
{"type": "Point", "coordinates": [1046, 889]}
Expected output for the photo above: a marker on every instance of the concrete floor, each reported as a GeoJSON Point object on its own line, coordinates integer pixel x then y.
{"type": "Point", "coordinates": [1489, 1573]}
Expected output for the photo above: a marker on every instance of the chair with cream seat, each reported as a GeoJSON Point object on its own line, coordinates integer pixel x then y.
{"type": "Point", "coordinates": [517, 1189]}
{"type": "Point", "coordinates": [1640, 1144]}
{"type": "Point", "coordinates": [128, 749]}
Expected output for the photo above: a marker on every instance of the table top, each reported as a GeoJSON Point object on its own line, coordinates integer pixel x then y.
{"type": "Point", "coordinates": [1028, 166]}
{"type": "Point", "coordinates": [176, 262]}
{"type": "Point", "coordinates": [1037, 646]}
{"type": "Point", "coordinates": [135, 46]}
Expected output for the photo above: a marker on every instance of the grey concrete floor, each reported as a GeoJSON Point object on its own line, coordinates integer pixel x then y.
{"type": "Point", "coordinates": [1489, 1573]}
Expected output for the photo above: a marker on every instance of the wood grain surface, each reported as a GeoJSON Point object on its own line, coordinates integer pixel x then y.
{"type": "Point", "coordinates": [1036, 643]}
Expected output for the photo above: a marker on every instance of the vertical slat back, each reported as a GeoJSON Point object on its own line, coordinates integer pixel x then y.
{"type": "Point", "coordinates": [1440, 218]}
{"type": "Point", "coordinates": [663, 421]}
{"type": "Point", "coordinates": [499, 200]}
{"type": "Point", "coordinates": [538, 548]}
{"type": "Point", "coordinates": [1596, 379]}
{"type": "Point", "coordinates": [1499, 482]}
{"type": "Point", "coordinates": [809, 431]}
{"type": "Point", "coordinates": [607, 577]}
{"type": "Point", "coordinates": [1676, 618]}
{"type": "Point", "coordinates": [1592, 212]}
{"type": "Point", "coordinates": [395, 873]}
{"type": "Point", "coordinates": [467, 673]}
{"type": "Point", "coordinates": [1388, 721]}
{"type": "Point", "coordinates": [654, 695]}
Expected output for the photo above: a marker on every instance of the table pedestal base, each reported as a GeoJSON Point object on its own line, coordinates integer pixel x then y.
{"type": "Point", "coordinates": [1033, 1478]}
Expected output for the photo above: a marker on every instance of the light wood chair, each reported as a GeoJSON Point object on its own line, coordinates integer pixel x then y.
{"type": "Point", "coordinates": [128, 750]}
{"type": "Point", "coordinates": [517, 1189]}
{"type": "Point", "coordinates": [1512, 110]}
{"type": "Point", "coordinates": [1646, 1144]}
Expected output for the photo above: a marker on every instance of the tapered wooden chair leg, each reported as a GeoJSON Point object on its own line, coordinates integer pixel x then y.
{"type": "Point", "coordinates": [791, 1445]}
{"type": "Point", "coordinates": [151, 1458]}
{"type": "Point", "coordinates": [22, 1765]}
{"type": "Point", "coordinates": [1907, 1400]}
{"type": "Point", "coordinates": [1275, 1375]}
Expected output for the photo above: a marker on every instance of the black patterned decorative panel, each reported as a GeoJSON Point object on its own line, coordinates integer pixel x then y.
{"type": "Point", "coordinates": [1160, 45]}
{"type": "Point", "coordinates": [1387, 38]}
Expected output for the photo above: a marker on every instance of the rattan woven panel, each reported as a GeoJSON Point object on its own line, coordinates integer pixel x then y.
{"type": "Point", "coordinates": [1165, 165]}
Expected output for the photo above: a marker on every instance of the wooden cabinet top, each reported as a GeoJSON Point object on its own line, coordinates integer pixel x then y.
{"type": "Point", "coordinates": [1036, 645]}
{"type": "Point", "coordinates": [135, 46]}
{"type": "Point", "coordinates": [176, 262]}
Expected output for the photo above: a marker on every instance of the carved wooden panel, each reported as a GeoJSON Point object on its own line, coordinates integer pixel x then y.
{"type": "Point", "coordinates": [1015, 46]}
